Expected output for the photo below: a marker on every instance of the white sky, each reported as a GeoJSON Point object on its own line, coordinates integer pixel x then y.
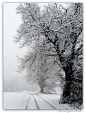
{"type": "Point", "coordinates": [11, 21]}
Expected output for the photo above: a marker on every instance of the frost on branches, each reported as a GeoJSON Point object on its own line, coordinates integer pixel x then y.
{"type": "Point", "coordinates": [54, 40]}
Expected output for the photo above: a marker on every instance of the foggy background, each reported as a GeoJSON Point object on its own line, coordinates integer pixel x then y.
{"type": "Point", "coordinates": [13, 81]}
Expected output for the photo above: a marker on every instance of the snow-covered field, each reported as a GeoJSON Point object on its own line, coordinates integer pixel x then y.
{"type": "Point", "coordinates": [28, 100]}
{"type": "Point", "coordinates": [15, 100]}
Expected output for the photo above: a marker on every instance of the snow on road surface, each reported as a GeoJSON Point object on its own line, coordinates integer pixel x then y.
{"type": "Point", "coordinates": [53, 99]}
{"type": "Point", "coordinates": [31, 104]}
{"type": "Point", "coordinates": [27, 100]}
{"type": "Point", "coordinates": [41, 103]}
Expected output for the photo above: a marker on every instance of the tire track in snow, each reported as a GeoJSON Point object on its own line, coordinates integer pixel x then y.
{"type": "Point", "coordinates": [35, 102]}
{"type": "Point", "coordinates": [27, 103]}
{"type": "Point", "coordinates": [46, 102]}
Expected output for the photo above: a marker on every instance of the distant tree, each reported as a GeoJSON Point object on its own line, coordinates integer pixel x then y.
{"type": "Point", "coordinates": [63, 28]}
{"type": "Point", "coordinates": [40, 63]}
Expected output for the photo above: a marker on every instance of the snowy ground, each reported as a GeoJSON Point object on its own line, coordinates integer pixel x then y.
{"type": "Point", "coordinates": [15, 100]}
{"type": "Point", "coordinates": [28, 100]}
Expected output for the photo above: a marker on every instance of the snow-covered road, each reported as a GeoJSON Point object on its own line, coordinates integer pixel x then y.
{"type": "Point", "coordinates": [29, 100]}
{"type": "Point", "coordinates": [41, 103]}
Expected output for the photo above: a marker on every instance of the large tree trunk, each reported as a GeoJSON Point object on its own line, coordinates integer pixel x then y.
{"type": "Point", "coordinates": [68, 83]}
{"type": "Point", "coordinates": [73, 89]}
{"type": "Point", "coordinates": [42, 89]}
